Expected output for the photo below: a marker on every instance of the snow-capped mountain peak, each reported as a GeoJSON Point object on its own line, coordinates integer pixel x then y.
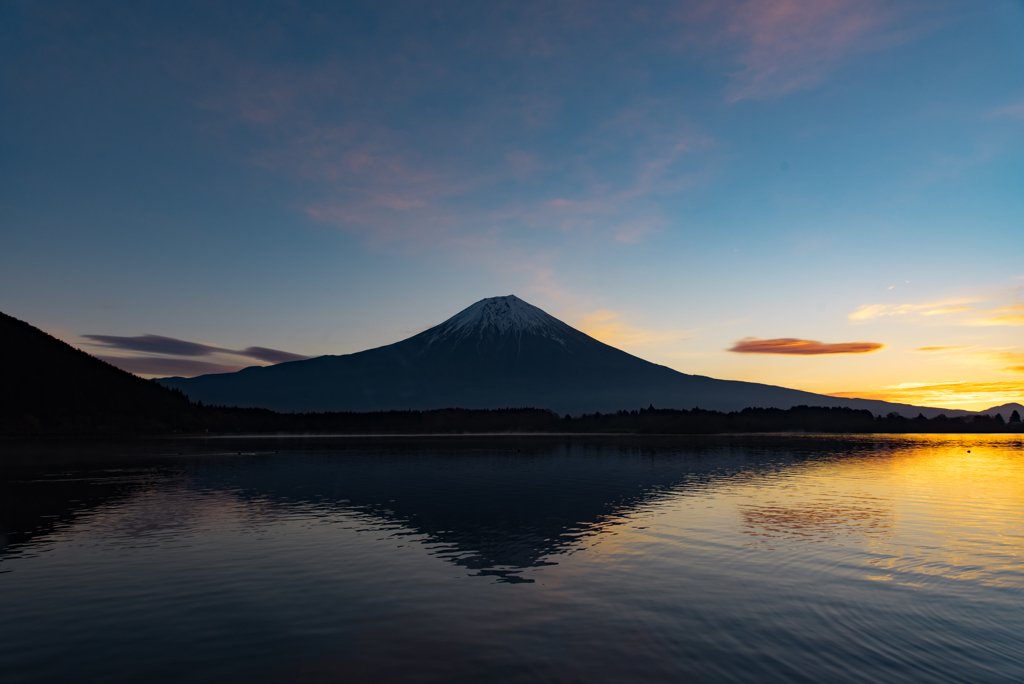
{"type": "Point", "coordinates": [507, 315]}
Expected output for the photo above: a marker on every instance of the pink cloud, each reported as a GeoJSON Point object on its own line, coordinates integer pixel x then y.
{"type": "Point", "coordinates": [523, 164]}
{"type": "Point", "coordinates": [401, 178]}
{"type": "Point", "coordinates": [627, 211]}
{"type": "Point", "coordinates": [793, 44]}
{"type": "Point", "coordinates": [260, 96]}
{"type": "Point", "coordinates": [588, 206]}
{"type": "Point", "coordinates": [365, 171]}
{"type": "Point", "coordinates": [1013, 111]}
{"type": "Point", "coordinates": [782, 46]}
{"type": "Point", "coordinates": [632, 232]}
{"type": "Point", "coordinates": [397, 203]}
{"type": "Point", "coordinates": [538, 111]}
{"type": "Point", "coordinates": [381, 226]}
{"type": "Point", "coordinates": [373, 181]}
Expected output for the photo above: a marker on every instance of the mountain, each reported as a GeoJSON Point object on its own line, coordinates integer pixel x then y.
{"type": "Point", "coordinates": [51, 388]}
{"type": "Point", "coordinates": [1006, 410]}
{"type": "Point", "coordinates": [499, 352]}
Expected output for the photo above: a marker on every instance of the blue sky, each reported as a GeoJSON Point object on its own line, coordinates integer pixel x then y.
{"type": "Point", "coordinates": [671, 177]}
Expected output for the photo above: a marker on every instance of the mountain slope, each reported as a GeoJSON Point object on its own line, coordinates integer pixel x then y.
{"type": "Point", "coordinates": [1005, 410]}
{"type": "Point", "coordinates": [497, 353]}
{"type": "Point", "coordinates": [49, 387]}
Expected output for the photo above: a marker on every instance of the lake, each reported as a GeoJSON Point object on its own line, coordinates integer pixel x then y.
{"type": "Point", "coordinates": [515, 559]}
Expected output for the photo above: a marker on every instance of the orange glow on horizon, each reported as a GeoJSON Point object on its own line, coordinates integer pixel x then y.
{"type": "Point", "coordinates": [970, 396]}
{"type": "Point", "coordinates": [608, 327]}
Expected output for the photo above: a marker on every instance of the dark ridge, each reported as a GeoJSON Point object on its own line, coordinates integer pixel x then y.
{"type": "Point", "coordinates": [51, 388]}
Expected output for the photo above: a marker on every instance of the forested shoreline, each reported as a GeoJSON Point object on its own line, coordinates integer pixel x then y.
{"type": "Point", "coordinates": [197, 419]}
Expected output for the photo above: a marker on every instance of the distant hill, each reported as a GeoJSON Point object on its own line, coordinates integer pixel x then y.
{"type": "Point", "coordinates": [1006, 410]}
{"type": "Point", "coordinates": [499, 352]}
{"type": "Point", "coordinates": [51, 388]}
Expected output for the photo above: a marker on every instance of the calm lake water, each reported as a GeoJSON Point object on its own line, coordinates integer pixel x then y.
{"type": "Point", "coordinates": [756, 559]}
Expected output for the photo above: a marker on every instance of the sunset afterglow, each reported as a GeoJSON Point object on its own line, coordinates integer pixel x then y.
{"type": "Point", "coordinates": [818, 195]}
{"type": "Point", "coordinates": [514, 341]}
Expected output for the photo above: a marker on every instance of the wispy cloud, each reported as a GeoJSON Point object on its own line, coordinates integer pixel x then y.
{"type": "Point", "coordinates": [335, 127]}
{"type": "Point", "coordinates": [869, 311]}
{"type": "Point", "coordinates": [967, 394]}
{"type": "Point", "coordinates": [170, 346]}
{"type": "Point", "coordinates": [1007, 359]}
{"type": "Point", "coordinates": [620, 201]}
{"type": "Point", "coordinates": [372, 181]}
{"type": "Point", "coordinates": [160, 366]}
{"type": "Point", "coordinates": [1004, 315]}
{"type": "Point", "coordinates": [963, 311]}
{"type": "Point", "coordinates": [1013, 111]}
{"type": "Point", "coordinates": [993, 359]}
{"type": "Point", "coordinates": [962, 394]}
{"type": "Point", "coordinates": [402, 140]}
{"type": "Point", "coordinates": [945, 310]}
{"type": "Point", "coordinates": [155, 344]}
{"type": "Point", "coordinates": [631, 232]}
{"type": "Point", "coordinates": [792, 45]}
{"type": "Point", "coordinates": [798, 347]}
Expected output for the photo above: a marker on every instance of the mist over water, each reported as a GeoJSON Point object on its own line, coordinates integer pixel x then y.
{"type": "Point", "coordinates": [768, 559]}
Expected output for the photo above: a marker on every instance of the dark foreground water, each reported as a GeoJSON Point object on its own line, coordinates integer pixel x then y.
{"type": "Point", "coordinates": [758, 559]}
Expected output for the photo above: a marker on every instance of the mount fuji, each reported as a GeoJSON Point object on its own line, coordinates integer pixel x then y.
{"type": "Point", "coordinates": [500, 352]}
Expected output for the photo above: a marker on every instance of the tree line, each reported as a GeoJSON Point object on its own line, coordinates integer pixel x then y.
{"type": "Point", "coordinates": [199, 419]}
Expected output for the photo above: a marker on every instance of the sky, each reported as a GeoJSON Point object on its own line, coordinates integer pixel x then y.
{"type": "Point", "coordinates": [820, 194]}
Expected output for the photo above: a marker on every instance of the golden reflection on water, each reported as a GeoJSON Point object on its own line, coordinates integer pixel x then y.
{"type": "Point", "coordinates": [932, 505]}
{"type": "Point", "coordinates": [742, 563]}
{"type": "Point", "coordinates": [816, 523]}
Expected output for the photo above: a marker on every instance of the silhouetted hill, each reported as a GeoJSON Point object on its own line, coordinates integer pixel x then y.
{"type": "Point", "coordinates": [498, 352]}
{"type": "Point", "coordinates": [1005, 410]}
{"type": "Point", "coordinates": [51, 388]}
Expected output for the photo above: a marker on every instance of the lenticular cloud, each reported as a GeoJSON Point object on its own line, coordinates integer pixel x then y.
{"type": "Point", "coordinates": [792, 345]}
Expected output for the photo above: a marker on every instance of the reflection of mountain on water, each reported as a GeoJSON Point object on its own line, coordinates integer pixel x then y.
{"type": "Point", "coordinates": [494, 506]}
{"type": "Point", "coordinates": [491, 510]}
{"type": "Point", "coordinates": [35, 503]}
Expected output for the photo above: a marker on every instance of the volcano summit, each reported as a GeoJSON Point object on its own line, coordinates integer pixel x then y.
{"type": "Point", "coordinates": [500, 352]}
